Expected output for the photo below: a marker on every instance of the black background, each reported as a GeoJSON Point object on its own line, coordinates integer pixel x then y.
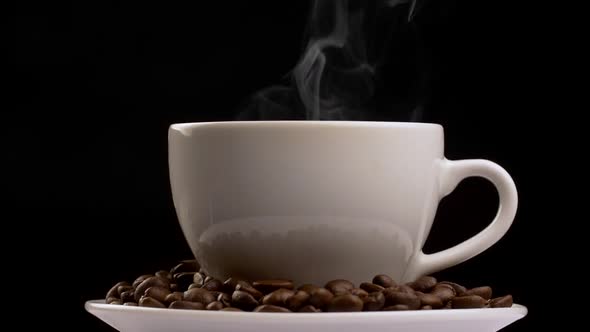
{"type": "Point", "coordinates": [95, 84]}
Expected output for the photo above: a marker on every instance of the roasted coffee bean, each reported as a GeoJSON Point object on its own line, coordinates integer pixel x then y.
{"type": "Point", "coordinates": [186, 305]}
{"type": "Point", "coordinates": [339, 286]}
{"type": "Point", "coordinates": [111, 299]}
{"type": "Point", "coordinates": [119, 302]}
{"type": "Point", "coordinates": [449, 305]}
{"type": "Point", "coordinates": [114, 291]}
{"type": "Point", "coordinates": [271, 285]}
{"type": "Point", "coordinates": [122, 289]}
{"type": "Point", "coordinates": [309, 308]}
{"type": "Point", "coordinates": [199, 295]}
{"type": "Point", "coordinates": [128, 296]}
{"type": "Point", "coordinates": [130, 304]}
{"type": "Point", "coordinates": [246, 287]}
{"type": "Point", "coordinates": [278, 297]}
{"type": "Point", "coordinates": [183, 280]}
{"type": "Point", "coordinates": [423, 284]}
{"type": "Point", "coordinates": [459, 290]}
{"type": "Point", "coordinates": [176, 296]}
{"type": "Point", "coordinates": [405, 289]}
{"type": "Point", "coordinates": [164, 274]}
{"type": "Point", "coordinates": [225, 299]}
{"type": "Point", "coordinates": [468, 301]}
{"type": "Point", "coordinates": [345, 303]}
{"type": "Point", "coordinates": [297, 300]}
{"type": "Point", "coordinates": [193, 285]}
{"type": "Point", "coordinates": [243, 300]}
{"type": "Point", "coordinates": [384, 281]}
{"type": "Point", "coordinates": [320, 298]}
{"type": "Point", "coordinates": [308, 288]}
{"type": "Point", "coordinates": [199, 279]}
{"type": "Point", "coordinates": [158, 293]}
{"type": "Point", "coordinates": [173, 287]}
{"type": "Point", "coordinates": [215, 305]}
{"type": "Point", "coordinates": [501, 302]}
{"type": "Point", "coordinates": [150, 282]}
{"type": "Point", "coordinates": [231, 309]}
{"type": "Point", "coordinates": [371, 287]}
{"type": "Point", "coordinates": [189, 265]}
{"type": "Point", "coordinates": [396, 297]}
{"type": "Point", "coordinates": [229, 285]}
{"type": "Point", "coordinates": [140, 279]}
{"type": "Point", "coordinates": [484, 291]}
{"type": "Point", "coordinates": [430, 300]}
{"type": "Point", "coordinates": [359, 292]}
{"type": "Point", "coordinates": [147, 301]}
{"type": "Point", "coordinates": [426, 307]}
{"type": "Point", "coordinates": [397, 307]}
{"type": "Point", "coordinates": [445, 292]}
{"type": "Point", "coordinates": [374, 302]}
{"type": "Point", "coordinates": [213, 285]}
{"type": "Point", "coordinates": [270, 308]}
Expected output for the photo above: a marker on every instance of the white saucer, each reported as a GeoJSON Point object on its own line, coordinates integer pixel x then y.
{"type": "Point", "coordinates": [135, 319]}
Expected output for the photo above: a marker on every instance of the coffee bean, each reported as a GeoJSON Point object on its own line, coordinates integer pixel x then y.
{"type": "Point", "coordinates": [371, 287]}
{"type": "Point", "coordinates": [374, 302]}
{"type": "Point", "coordinates": [271, 285]}
{"type": "Point", "coordinates": [173, 287]}
{"type": "Point", "coordinates": [130, 304]}
{"type": "Point", "coordinates": [184, 279]}
{"type": "Point", "coordinates": [423, 284]}
{"type": "Point", "coordinates": [383, 281]}
{"type": "Point", "coordinates": [270, 308]}
{"type": "Point", "coordinates": [140, 279]}
{"type": "Point", "coordinates": [430, 300]}
{"type": "Point", "coordinates": [213, 285]}
{"type": "Point", "coordinates": [459, 290]}
{"type": "Point", "coordinates": [278, 297]}
{"type": "Point", "coordinates": [359, 292]}
{"type": "Point", "coordinates": [246, 287]}
{"type": "Point", "coordinates": [189, 265]}
{"type": "Point", "coordinates": [225, 299]}
{"type": "Point", "coordinates": [345, 303]}
{"type": "Point", "coordinates": [215, 305]}
{"type": "Point", "coordinates": [444, 292]}
{"type": "Point", "coordinates": [199, 279]}
{"type": "Point", "coordinates": [396, 297]}
{"type": "Point", "coordinates": [230, 309]}
{"type": "Point", "coordinates": [309, 308]}
{"type": "Point", "coordinates": [243, 300]}
{"type": "Point", "coordinates": [118, 302]}
{"type": "Point", "coordinates": [229, 285]}
{"type": "Point", "coordinates": [111, 299]}
{"type": "Point", "coordinates": [150, 282]}
{"type": "Point", "coordinates": [468, 301]}
{"type": "Point", "coordinates": [128, 296]}
{"type": "Point", "coordinates": [339, 286]}
{"type": "Point", "coordinates": [164, 274]}
{"type": "Point", "coordinates": [320, 298]}
{"type": "Point", "coordinates": [186, 305]}
{"type": "Point", "coordinates": [484, 291]}
{"type": "Point", "coordinates": [405, 289]}
{"type": "Point", "coordinates": [426, 307]}
{"type": "Point", "coordinates": [114, 291]}
{"type": "Point", "coordinates": [198, 295]}
{"type": "Point", "coordinates": [501, 302]}
{"type": "Point", "coordinates": [122, 289]}
{"type": "Point", "coordinates": [176, 296]}
{"type": "Point", "coordinates": [308, 288]}
{"type": "Point", "coordinates": [147, 301]}
{"type": "Point", "coordinates": [297, 300]}
{"type": "Point", "coordinates": [397, 307]}
{"type": "Point", "coordinates": [158, 293]}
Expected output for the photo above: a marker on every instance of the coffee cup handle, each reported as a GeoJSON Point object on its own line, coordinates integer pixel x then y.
{"type": "Point", "coordinates": [451, 173]}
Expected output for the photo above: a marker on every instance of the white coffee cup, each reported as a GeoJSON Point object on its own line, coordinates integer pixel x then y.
{"type": "Point", "coordinates": [319, 200]}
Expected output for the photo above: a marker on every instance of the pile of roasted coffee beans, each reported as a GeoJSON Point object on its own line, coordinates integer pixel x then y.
{"type": "Point", "coordinates": [185, 287]}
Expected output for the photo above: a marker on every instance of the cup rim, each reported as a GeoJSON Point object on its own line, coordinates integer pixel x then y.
{"type": "Point", "coordinates": [182, 126]}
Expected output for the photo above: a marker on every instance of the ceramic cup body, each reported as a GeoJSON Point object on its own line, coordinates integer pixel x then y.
{"type": "Point", "coordinates": [314, 201]}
